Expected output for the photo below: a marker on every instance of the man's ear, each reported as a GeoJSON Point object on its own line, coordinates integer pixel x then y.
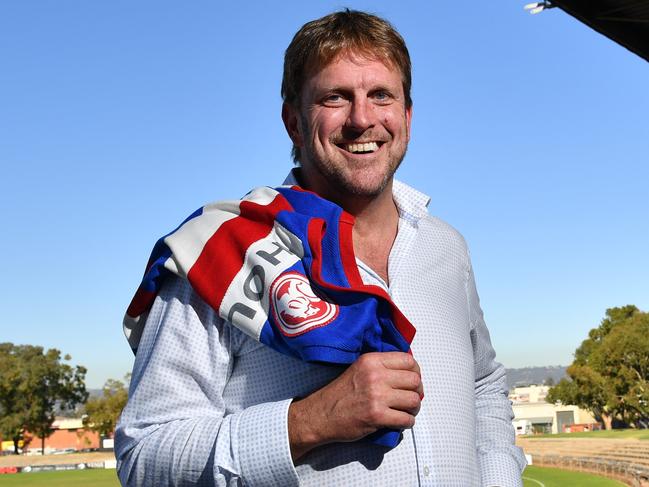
{"type": "Point", "coordinates": [409, 120]}
{"type": "Point", "coordinates": [290, 117]}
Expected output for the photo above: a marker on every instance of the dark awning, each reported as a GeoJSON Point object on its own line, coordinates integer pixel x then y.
{"type": "Point", "coordinates": [624, 21]}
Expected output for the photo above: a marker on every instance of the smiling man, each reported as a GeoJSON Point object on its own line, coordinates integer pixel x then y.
{"type": "Point", "coordinates": [212, 402]}
{"type": "Point", "coordinates": [350, 127]}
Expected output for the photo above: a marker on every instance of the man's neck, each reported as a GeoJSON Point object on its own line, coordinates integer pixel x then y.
{"type": "Point", "coordinates": [375, 230]}
{"type": "Point", "coordinates": [372, 215]}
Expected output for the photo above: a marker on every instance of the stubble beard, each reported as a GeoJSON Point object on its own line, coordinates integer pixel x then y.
{"type": "Point", "coordinates": [334, 174]}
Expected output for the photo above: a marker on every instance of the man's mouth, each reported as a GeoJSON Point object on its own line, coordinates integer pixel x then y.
{"type": "Point", "coordinates": [361, 148]}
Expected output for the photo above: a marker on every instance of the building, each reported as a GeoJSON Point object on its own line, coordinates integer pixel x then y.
{"type": "Point", "coordinates": [68, 434]}
{"type": "Point", "coordinates": [533, 414]}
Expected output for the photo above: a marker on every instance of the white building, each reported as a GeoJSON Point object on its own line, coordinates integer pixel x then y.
{"type": "Point", "coordinates": [533, 414]}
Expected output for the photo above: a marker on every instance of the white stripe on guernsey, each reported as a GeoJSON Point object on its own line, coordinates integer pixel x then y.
{"type": "Point", "coordinates": [188, 241]}
{"type": "Point", "coordinates": [272, 255]}
{"type": "Point", "coordinates": [262, 195]}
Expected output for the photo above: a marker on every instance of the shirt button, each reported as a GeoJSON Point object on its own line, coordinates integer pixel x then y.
{"type": "Point", "coordinates": [426, 471]}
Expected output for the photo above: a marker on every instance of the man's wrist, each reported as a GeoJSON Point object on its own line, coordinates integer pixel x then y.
{"type": "Point", "coordinates": [303, 434]}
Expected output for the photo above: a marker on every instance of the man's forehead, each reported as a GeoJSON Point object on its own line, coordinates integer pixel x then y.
{"type": "Point", "coordinates": [321, 60]}
{"type": "Point", "coordinates": [327, 73]}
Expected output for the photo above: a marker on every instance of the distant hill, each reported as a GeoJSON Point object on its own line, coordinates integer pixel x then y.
{"type": "Point", "coordinates": [95, 392]}
{"type": "Point", "coordinates": [76, 412]}
{"type": "Point", "coordinates": [535, 375]}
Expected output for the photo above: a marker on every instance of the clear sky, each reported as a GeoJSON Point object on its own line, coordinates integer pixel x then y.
{"type": "Point", "coordinates": [118, 119]}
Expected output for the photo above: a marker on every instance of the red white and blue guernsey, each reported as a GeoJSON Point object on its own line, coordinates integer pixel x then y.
{"type": "Point", "coordinates": [279, 265]}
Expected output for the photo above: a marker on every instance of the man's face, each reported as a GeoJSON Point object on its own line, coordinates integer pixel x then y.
{"type": "Point", "coordinates": [352, 128]}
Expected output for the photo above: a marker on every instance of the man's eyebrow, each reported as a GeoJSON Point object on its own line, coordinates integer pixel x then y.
{"type": "Point", "coordinates": [382, 87]}
{"type": "Point", "coordinates": [325, 90]}
{"type": "Point", "coordinates": [342, 89]}
{"type": "Point", "coordinates": [332, 87]}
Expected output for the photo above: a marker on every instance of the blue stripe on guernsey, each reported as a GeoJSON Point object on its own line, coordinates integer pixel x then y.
{"type": "Point", "coordinates": [298, 225]}
{"type": "Point", "coordinates": [312, 205]}
{"type": "Point", "coordinates": [312, 314]}
{"type": "Point", "coordinates": [153, 278]}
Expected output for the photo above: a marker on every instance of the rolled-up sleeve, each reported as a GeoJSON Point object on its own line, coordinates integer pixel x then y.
{"type": "Point", "coordinates": [501, 462]}
{"type": "Point", "coordinates": [176, 428]}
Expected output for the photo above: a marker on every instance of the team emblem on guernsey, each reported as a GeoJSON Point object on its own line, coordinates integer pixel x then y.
{"type": "Point", "coordinates": [297, 309]}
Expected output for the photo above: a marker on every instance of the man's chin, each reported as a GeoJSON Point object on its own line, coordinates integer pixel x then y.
{"type": "Point", "coordinates": [338, 177]}
{"type": "Point", "coordinates": [359, 187]}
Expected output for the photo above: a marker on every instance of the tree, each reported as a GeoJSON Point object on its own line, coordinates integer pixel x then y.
{"type": "Point", "coordinates": [32, 383]}
{"type": "Point", "coordinates": [102, 412]}
{"type": "Point", "coordinates": [610, 373]}
{"type": "Point", "coordinates": [12, 407]}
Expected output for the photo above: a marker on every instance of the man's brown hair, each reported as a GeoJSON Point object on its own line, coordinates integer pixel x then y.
{"type": "Point", "coordinates": [320, 41]}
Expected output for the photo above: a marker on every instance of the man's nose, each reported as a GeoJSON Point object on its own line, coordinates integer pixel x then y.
{"type": "Point", "coordinates": [360, 115]}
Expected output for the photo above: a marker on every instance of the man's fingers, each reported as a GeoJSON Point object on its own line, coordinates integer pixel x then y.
{"type": "Point", "coordinates": [404, 379]}
{"type": "Point", "coordinates": [395, 363]}
{"type": "Point", "coordinates": [397, 419]}
{"type": "Point", "coordinates": [401, 362]}
{"type": "Point", "coordinates": [406, 401]}
{"type": "Point", "coordinates": [398, 360]}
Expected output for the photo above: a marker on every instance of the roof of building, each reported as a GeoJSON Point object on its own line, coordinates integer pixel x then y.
{"type": "Point", "coordinates": [67, 423]}
{"type": "Point", "coordinates": [624, 21]}
{"type": "Point", "coordinates": [537, 420]}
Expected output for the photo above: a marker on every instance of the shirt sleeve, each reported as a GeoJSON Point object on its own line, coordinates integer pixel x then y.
{"type": "Point", "coordinates": [176, 428]}
{"type": "Point", "coordinates": [501, 463]}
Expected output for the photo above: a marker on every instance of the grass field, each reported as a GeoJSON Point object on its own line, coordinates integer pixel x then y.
{"type": "Point", "coordinates": [70, 478]}
{"type": "Point", "coordinates": [553, 477]}
{"type": "Point", "coordinates": [628, 434]}
{"type": "Point", "coordinates": [533, 477]}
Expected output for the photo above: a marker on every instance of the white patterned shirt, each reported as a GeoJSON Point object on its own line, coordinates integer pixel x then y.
{"type": "Point", "coordinates": [208, 405]}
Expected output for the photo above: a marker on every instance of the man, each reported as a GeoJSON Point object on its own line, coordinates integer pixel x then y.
{"type": "Point", "coordinates": [211, 406]}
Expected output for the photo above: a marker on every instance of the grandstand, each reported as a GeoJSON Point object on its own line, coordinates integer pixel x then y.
{"type": "Point", "coordinates": [623, 459]}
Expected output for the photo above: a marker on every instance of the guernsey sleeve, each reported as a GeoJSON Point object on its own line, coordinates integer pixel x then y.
{"type": "Point", "coordinates": [501, 462]}
{"type": "Point", "coordinates": [176, 428]}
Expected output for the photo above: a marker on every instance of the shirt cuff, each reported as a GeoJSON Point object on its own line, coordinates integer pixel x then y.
{"type": "Point", "coordinates": [264, 450]}
{"type": "Point", "coordinates": [499, 469]}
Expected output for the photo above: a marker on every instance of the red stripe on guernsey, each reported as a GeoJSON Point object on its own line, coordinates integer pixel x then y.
{"type": "Point", "coordinates": [226, 249]}
{"type": "Point", "coordinates": [348, 257]}
{"type": "Point", "coordinates": [141, 302]}
{"type": "Point", "coordinates": [314, 232]}
{"type": "Point", "coordinates": [302, 190]}
{"type": "Point", "coordinates": [346, 239]}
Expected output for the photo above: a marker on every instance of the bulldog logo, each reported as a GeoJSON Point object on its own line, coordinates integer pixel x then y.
{"type": "Point", "coordinates": [296, 308]}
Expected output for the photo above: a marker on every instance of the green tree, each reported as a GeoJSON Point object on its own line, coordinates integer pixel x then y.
{"type": "Point", "coordinates": [12, 405]}
{"type": "Point", "coordinates": [610, 373]}
{"type": "Point", "coordinates": [32, 384]}
{"type": "Point", "coordinates": [103, 412]}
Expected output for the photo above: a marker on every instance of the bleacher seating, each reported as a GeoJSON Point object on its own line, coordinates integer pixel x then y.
{"type": "Point", "coordinates": [622, 459]}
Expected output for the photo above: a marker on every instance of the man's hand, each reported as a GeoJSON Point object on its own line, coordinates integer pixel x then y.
{"type": "Point", "coordinates": [379, 390]}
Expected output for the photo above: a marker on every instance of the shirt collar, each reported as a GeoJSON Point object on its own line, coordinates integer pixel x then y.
{"type": "Point", "coordinates": [291, 179]}
{"type": "Point", "coordinates": [410, 202]}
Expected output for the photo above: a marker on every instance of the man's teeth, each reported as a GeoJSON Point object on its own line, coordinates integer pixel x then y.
{"type": "Point", "coordinates": [366, 147]}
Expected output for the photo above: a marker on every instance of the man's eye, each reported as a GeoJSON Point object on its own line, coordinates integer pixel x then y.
{"type": "Point", "coordinates": [333, 99]}
{"type": "Point", "coordinates": [381, 96]}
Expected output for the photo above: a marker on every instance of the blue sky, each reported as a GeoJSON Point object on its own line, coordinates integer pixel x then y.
{"type": "Point", "coordinates": [117, 119]}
